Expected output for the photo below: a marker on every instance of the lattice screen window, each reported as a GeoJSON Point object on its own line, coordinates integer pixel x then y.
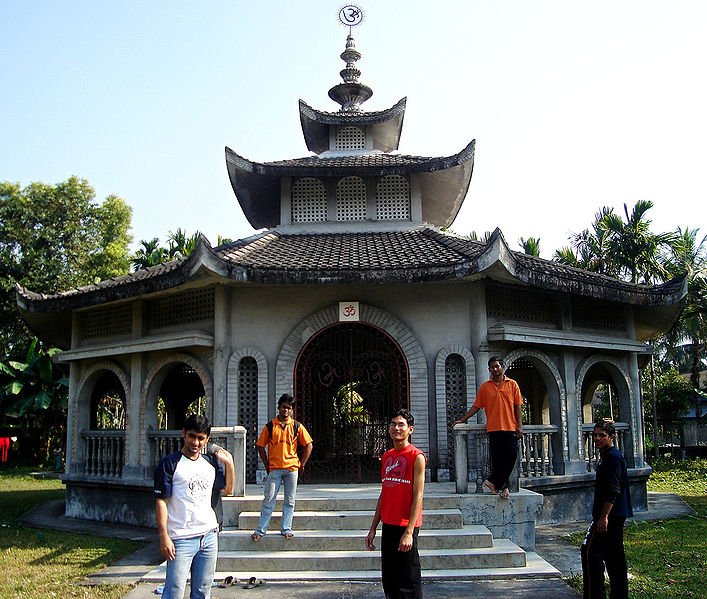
{"type": "Point", "coordinates": [506, 303]}
{"type": "Point", "coordinates": [107, 322]}
{"type": "Point", "coordinates": [350, 138]}
{"type": "Point", "coordinates": [455, 393]}
{"type": "Point", "coordinates": [248, 412]}
{"type": "Point", "coordinates": [308, 201]}
{"type": "Point", "coordinates": [351, 199]}
{"type": "Point", "coordinates": [590, 314]}
{"type": "Point", "coordinates": [393, 198]}
{"type": "Point", "coordinates": [191, 306]}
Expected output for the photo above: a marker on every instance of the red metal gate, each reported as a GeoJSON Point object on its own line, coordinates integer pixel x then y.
{"type": "Point", "coordinates": [349, 379]}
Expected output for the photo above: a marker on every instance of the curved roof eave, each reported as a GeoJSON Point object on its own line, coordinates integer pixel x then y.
{"type": "Point", "coordinates": [545, 274]}
{"type": "Point", "coordinates": [257, 185]}
{"type": "Point", "coordinates": [149, 280]}
{"type": "Point", "coordinates": [387, 125]}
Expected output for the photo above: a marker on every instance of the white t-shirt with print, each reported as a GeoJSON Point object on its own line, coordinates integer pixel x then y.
{"type": "Point", "coordinates": [190, 513]}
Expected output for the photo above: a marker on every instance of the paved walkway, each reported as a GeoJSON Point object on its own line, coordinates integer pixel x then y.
{"type": "Point", "coordinates": [549, 545]}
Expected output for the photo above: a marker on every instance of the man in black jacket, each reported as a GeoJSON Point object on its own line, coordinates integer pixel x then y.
{"type": "Point", "coordinates": [604, 544]}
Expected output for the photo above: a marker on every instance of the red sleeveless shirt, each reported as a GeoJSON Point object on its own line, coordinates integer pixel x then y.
{"type": "Point", "coordinates": [397, 469]}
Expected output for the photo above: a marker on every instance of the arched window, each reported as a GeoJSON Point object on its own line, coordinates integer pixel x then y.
{"type": "Point", "coordinates": [351, 199]}
{"type": "Point", "coordinates": [393, 198]}
{"type": "Point", "coordinates": [350, 138]}
{"type": "Point", "coordinates": [455, 394]}
{"type": "Point", "coordinates": [248, 410]}
{"type": "Point", "coordinates": [308, 201]}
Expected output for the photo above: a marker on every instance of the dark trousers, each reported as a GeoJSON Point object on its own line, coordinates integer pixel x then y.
{"type": "Point", "coordinates": [503, 448]}
{"type": "Point", "coordinates": [605, 549]}
{"type": "Point", "coordinates": [402, 578]}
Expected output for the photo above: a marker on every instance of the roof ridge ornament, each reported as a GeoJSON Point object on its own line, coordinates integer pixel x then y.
{"type": "Point", "coordinates": [350, 94]}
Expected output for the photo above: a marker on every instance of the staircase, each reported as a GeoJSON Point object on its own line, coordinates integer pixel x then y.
{"type": "Point", "coordinates": [331, 524]}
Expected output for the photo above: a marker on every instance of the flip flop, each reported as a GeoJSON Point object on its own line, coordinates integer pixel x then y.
{"type": "Point", "coordinates": [288, 535]}
{"type": "Point", "coordinates": [228, 582]}
{"type": "Point", "coordinates": [505, 494]}
{"type": "Point", "coordinates": [253, 582]}
{"type": "Point", "coordinates": [255, 537]}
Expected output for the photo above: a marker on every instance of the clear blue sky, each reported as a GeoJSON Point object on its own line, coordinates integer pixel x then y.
{"type": "Point", "coordinates": [574, 105]}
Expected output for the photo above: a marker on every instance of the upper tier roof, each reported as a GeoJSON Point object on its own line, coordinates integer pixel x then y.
{"type": "Point", "coordinates": [385, 125]}
{"type": "Point", "coordinates": [444, 180]}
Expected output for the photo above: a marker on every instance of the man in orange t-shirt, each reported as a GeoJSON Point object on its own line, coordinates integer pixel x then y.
{"type": "Point", "coordinates": [281, 436]}
{"type": "Point", "coordinates": [501, 398]}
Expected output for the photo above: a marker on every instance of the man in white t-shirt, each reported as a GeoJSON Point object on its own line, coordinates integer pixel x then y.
{"type": "Point", "coordinates": [188, 484]}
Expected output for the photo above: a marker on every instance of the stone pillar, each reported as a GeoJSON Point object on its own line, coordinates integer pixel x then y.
{"type": "Point", "coordinates": [74, 453]}
{"type": "Point", "coordinates": [135, 431]}
{"type": "Point", "coordinates": [239, 434]}
{"type": "Point", "coordinates": [637, 413]}
{"type": "Point", "coordinates": [222, 352]}
{"type": "Point", "coordinates": [461, 453]}
{"type": "Point", "coordinates": [479, 337]}
{"type": "Point", "coordinates": [575, 464]}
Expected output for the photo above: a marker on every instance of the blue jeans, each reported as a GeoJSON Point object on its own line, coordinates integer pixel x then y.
{"type": "Point", "coordinates": [275, 479]}
{"type": "Point", "coordinates": [198, 556]}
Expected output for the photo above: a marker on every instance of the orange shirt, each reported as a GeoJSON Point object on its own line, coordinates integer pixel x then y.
{"type": "Point", "coordinates": [282, 446]}
{"type": "Point", "coordinates": [499, 402]}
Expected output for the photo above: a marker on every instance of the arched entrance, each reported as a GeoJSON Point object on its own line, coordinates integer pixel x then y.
{"type": "Point", "coordinates": [349, 379]}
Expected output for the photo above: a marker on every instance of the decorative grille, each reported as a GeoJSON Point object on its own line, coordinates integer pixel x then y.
{"type": "Point", "coordinates": [455, 393]}
{"type": "Point", "coordinates": [350, 138]}
{"type": "Point", "coordinates": [589, 314]}
{"type": "Point", "coordinates": [107, 322]}
{"type": "Point", "coordinates": [351, 199]}
{"type": "Point", "coordinates": [248, 412]}
{"type": "Point", "coordinates": [507, 303]}
{"type": "Point", "coordinates": [393, 198]}
{"type": "Point", "coordinates": [191, 306]}
{"type": "Point", "coordinates": [309, 203]}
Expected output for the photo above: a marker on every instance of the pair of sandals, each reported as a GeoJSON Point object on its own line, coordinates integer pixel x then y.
{"type": "Point", "coordinates": [229, 581]}
{"type": "Point", "coordinates": [288, 534]}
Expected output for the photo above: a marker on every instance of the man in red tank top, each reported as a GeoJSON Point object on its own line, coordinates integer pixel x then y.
{"type": "Point", "coordinates": [400, 509]}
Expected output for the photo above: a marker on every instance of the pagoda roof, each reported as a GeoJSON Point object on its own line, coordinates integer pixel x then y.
{"type": "Point", "coordinates": [445, 180]}
{"type": "Point", "coordinates": [386, 125]}
{"type": "Point", "coordinates": [417, 255]}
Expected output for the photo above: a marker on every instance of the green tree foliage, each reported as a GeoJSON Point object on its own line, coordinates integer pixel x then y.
{"type": "Point", "coordinates": [33, 394]}
{"type": "Point", "coordinates": [52, 238]}
{"type": "Point", "coordinates": [152, 253]}
{"type": "Point", "coordinates": [530, 246]}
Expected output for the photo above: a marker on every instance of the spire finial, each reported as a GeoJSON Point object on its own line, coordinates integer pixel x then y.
{"type": "Point", "coordinates": [350, 94]}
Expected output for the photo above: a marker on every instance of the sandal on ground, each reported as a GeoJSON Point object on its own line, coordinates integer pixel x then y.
{"type": "Point", "coordinates": [228, 582]}
{"type": "Point", "coordinates": [255, 537]}
{"type": "Point", "coordinates": [253, 582]}
{"type": "Point", "coordinates": [288, 534]}
{"type": "Point", "coordinates": [504, 494]}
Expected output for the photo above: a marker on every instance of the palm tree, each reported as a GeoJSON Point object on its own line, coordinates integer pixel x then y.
{"type": "Point", "coordinates": [530, 246]}
{"type": "Point", "coordinates": [689, 257]}
{"type": "Point", "coordinates": [588, 249]}
{"type": "Point", "coordinates": [181, 244]}
{"type": "Point", "coordinates": [150, 254]}
{"type": "Point", "coordinates": [635, 251]}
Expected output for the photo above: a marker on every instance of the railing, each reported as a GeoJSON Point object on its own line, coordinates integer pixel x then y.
{"type": "Point", "coordinates": [162, 443]}
{"type": "Point", "coordinates": [103, 453]}
{"type": "Point", "coordinates": [471, 454]}
{"type": "Point", "coordinates": [591, 453]}
{"type": "Point", "coordinates": [536, 450]}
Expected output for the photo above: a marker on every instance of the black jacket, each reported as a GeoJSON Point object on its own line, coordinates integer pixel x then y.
{"type": "Point", "coordinates": [612, 485]}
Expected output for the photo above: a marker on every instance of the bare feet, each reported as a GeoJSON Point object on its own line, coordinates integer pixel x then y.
{"type": "Point", "coordinates": [505, 494]}
{"type": "Point", "coordinates": [490, 486]}
{"type": "Point", "coordinates": [256, 537]}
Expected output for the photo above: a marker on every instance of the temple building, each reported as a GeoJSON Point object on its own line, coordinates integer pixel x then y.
{"type": "Point", "coordinates": [354, 296]}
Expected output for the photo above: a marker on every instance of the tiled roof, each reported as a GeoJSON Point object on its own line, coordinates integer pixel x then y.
{"type": "Point", "coordinates": [364, 160]}
{"type": "Point", "coordinates": [361, 117]}
{"type": "Point", "coordinates": [345, 251]}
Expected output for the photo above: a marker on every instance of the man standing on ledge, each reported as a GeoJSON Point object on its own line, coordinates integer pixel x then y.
{"type": "Point", "coordinates": [604, 543]}
{"type": "Point", "coordinates": [187, 486]}
{"type": "Point", "coordinates": [281, 436]}
{"type": "Point", "coordinates": [501, 399]}
{"type": "Point", "coordinates": [399, 507]}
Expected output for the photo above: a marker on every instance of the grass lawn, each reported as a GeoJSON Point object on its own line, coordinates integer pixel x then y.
{"type": "Point", "coordinates": [37, 563]}
{"type": "Point", "coordinates": [668, 558]}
